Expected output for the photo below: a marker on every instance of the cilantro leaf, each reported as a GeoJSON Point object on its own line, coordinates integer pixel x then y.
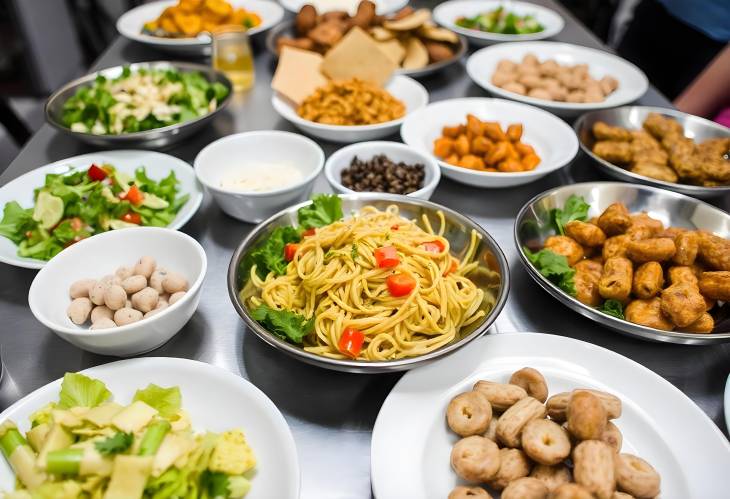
{"type": "Point", "coordinates": [215, 483]}
{"type": "Point", "coordinates": [78, 390]}
{"type": "Point", "coordinates": [16, 221]}
{"type": "Point", "coordinates": [269, 256]}
{"type": "Point", "coordinates": [324, 210]}
{"type": "Point", "coordinates": [353, 252]}
{"type": "Point", "coordinates": [283, 323]}
{"type": "Point", "coordinates": [554, 267]}
{"type": "Point", "coordinates": [612, 307]}
{"type": "Point", "coordinates": [575, 208]}
{"type": "Point", "coordinates": [167, 401]}
{"type": "Point", "coordinates": [116, 444]}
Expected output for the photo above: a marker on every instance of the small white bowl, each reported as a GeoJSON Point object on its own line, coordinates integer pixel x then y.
{"type": "Point", "coordinates": [252, 151]}
{"type": "Point", "coordinates": [101, 255]}
{"type": "Point", "coordinates": [413, 95]}
{"type": "Point", "coordinates": [554, 141]}
{"type": "Point", "coordinates": [632, 82]}
{"type": "Point", "coordinates": [446, 14]}
{"type": "Point", "coordinates": [395, 151]}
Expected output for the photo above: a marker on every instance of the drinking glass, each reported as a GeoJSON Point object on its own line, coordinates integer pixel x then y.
{"type": "Point", "coordinates": [232, 55]}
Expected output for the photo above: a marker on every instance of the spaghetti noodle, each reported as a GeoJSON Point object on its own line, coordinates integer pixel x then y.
{"type": "Point", "coordinates": [335, 277]}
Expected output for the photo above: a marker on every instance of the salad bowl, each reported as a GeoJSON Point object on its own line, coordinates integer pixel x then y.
{"type": "Point", "coordinates": [154, 138]}
{"type": "Point", "coordinates": [157, 166]}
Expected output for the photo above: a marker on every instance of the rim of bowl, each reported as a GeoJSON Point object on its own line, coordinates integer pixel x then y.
{"type": "Point", "coordinates": [364, 366]}
{"type": "Point", "coordinates": [428, 162]}
{"type": "Point", "coordinates": [282, 190]}
{"type": "Point", "coordinates": [121, 137]}
{"type": "Point", "coordinates": [486, 83]}
{"type": "Point", "coordinates": [127, 327]}
{"type": "Point", "coordinates": [287, 111]}
{"type": "Point", "coordinates": [686, 189]}
{"type": "Point", "coordinates": [612, 322]}
{"type": "Point", "coordinates": [556, 28]}
{"type": "Point", "coordinates": [574, 140]}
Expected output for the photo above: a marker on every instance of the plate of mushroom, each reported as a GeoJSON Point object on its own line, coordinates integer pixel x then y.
{"type": "Point", "coordinates": [533, 416]}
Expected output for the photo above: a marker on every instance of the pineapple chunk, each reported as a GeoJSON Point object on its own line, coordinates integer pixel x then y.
{"type": "Point", "coordinates": [232, 455]}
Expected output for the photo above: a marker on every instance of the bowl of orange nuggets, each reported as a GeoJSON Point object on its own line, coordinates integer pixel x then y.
{"type": "Point", "coordinates": [491, 142]}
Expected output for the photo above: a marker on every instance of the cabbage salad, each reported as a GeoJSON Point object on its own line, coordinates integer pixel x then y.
{"type": "Point", "coordinates": [87, 446]}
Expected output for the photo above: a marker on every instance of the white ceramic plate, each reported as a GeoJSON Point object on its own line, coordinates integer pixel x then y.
{"type": "Point", "coordinates": [403, 88]}
{"type": "Point", "coordinates": [447, 13]}
{"type": "Point", "coordinates": [632, 81]}
{"type": "Point", "coordinates": [131, 23]}
{"type": "Point", "coordinates": [234, 403]}
{"type": "Point", "coordinates": [727, 404]}
{"type": "Point", "coordinates": [411, 441]}
{"type": "Point", "coordinates": [158, 166]}
{"type": "Point", "coordinates": [554, 141]}
{"type": "Point", "coordinates": [381, 6]}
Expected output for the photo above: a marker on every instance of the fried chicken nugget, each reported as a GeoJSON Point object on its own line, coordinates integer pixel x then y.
{"type": "Point", "coordinates": [604, 131]}
{"type": "Point", "coordinates": [615, 246]}
{"type": "Point", "coordinates": [659, 125]}
{"type": "Point", "coordinates": [715, 170]}
{"type": "Point", "coordinates": [648, 313]}
{"type": "Point", "coordinates": [563, 245]}
{"type": "Point", "coordinates": [716, 285]}
{"type": "Point", "coordinates": [705, 324]}
{"type": "Point", "coordinates": [616, 279]}
{"type": "Point", "coordinates": [648, 280]}
{"type": "Point", "coordinates": [682, 273]}
{"type": "Point", "coordinates": [656, 249]}
{"type": "Point", "coordinates": [682, 303]}
{"type": "Point", "coordinates": [586, 234]}
{"type": "Point", "coordinates": [688, 245]}
{"type": "Point", "coordinates": [615, 219]}
{"type": "Point", "coordinates": [655, 171]}
{"type": "Point", "coordinates": [714, 251]}
{"type": "Point", "coordinates": [587, 275]}
{"type": "Point", "coordinates": [613, 151]}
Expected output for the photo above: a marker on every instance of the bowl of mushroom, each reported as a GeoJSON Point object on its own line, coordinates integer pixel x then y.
{"type": "Point", "coordinates": [122, 293]}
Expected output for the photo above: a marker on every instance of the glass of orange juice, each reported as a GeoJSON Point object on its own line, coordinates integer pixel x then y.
{"type": "Point", "coordinates": [232, 55]}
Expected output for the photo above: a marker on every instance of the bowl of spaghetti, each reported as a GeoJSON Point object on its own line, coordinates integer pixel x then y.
{"type": "Point", "coordinates": [368, 282]}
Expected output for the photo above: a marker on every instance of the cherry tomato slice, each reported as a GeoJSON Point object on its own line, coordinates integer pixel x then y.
{"type": "Point", "coordinates": [95, 173]}
{"type": "Point", "coordinates": [351, 342]}
{"type": "Point", "coordinates": [132, 218]}
{"type": "Point", "coordinates": [434, 246]}
{"type": "Point", "coordinates": [386, 257]}
{"type": "Point", "coordinates": [289, 251]}
{"type": "Point", "coordinates": [394, 227]}
{"type": "Point", "coordinates": [309, 232]}
{"type": "Point", "coordinates": [400, 284]}
{"type": "Point", "coordinates": [134, 195]}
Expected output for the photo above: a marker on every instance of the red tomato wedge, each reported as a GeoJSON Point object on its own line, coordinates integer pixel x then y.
{"type": "Point", "coordinates": [386, 257]}
{"type": "Point", "coordinates": [435, 246]}
{"type": "Point", "coordinates": [394, 227]}
{"type": "Point", "coordinates": [290, 250]}
{"type": "Point", "coordinates": [351, 342]}
{"type": "Point", "coordinates": [309, 232]}
{"type": "Point", "coordinates": [452, 267]}
{"type": "Point", "coordinates": [134, 195]}
{"type": "Point", "coordinates": [95, 173]}
{"type": "Point", "coordinates": [400, 284]}
{"type": "Point", "coordinates": [132, 218]}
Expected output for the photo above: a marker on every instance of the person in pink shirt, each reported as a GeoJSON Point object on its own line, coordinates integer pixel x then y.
{"type": "Point", "coordinates": [709, 94]}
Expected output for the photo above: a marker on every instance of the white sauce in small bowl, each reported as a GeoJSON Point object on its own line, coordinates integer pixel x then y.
{"type": "Point", "coordinates": [264, 178]}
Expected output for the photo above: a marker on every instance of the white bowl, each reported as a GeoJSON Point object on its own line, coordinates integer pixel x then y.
{"type": "Point", "coordinates": [157, 165]}
{"type": "Point", "coordinates": [403, 88]}
{"type": "Point", "coordinates": [215, 399]}
{"type": "Point", "coordinates": [395, 151]}
{"type": "Point", "coordinates": [101, 255]}
{"type": "Point", "coordinates": [130, 25]}
{"type": "Point", "coordinates": [381, 6]}
{"type": "Point", "coordinates": [632, 81]}
{"type": "Point", "coordinates": [446, 14]}
{"type": "Point", "coordinates": [554, 141]}
{"type": "Point", "coordinates": [253, 151]}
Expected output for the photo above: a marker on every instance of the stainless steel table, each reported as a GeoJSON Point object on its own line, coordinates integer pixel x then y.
{"type": "Point", "coordinates": [331, 414]}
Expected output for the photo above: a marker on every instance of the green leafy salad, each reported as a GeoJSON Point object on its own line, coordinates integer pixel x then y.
{"type": "Point", "coordinates": [501, 21]}
{"type": "Point", "coordinates": [72, 206]}
{"type": "Point", "coordinates": [271, 255]}
{"type": "Point", "coordinates": [141, 100]}
{"type": "Point", "coordinates": [87, 446]}
{"type": "Point", "coordinates": [555, 267]}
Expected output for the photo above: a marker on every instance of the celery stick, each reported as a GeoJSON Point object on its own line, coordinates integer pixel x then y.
{"type": "Point", "coordinates": [65, 461]}
{"type": "Point", "coordinates": [10, 440]}
{"type": "Point", "coordinates": [152, 438]}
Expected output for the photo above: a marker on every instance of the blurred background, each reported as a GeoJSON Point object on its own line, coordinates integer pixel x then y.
{"type": "Point", "coordinates": [46, 43]}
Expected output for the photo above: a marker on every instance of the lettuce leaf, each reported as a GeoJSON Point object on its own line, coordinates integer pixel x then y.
{"type": "Point", "coordinates": [554, 267]}
{"type": "Point", "coordinates": [575, 208]}
{"type": "Point", "coordinates": [324, 210]}
{"type": "Point", "coordinates": [78, 390]}
{"type": "Point", "coordinates": [283, 323]}
{"type": "Point", "coordinates": [269, 256]}
{"type": "Point", "coordinates": [16, 221]}
{"type": "Point", "coordinates": [167, 401]}
{"type": "Point", "coordinates": [612, 307]}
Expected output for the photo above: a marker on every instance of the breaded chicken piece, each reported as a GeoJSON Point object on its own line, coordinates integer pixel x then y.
{"type": "Point", "coordinates": [613, 151]}
{"type": "Point", "coordinates": [604, 131]}
{"type": "Point", "coordinates": [656, 171]}
{"type": "Point", "coordinates": [648, 313]}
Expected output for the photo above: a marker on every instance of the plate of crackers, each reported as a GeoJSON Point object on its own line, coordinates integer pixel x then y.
{"type": "Point", "coordinates": [409, 37]}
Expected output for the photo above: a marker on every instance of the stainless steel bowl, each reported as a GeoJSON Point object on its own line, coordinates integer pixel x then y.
{"type": "Point", "coordinates": [287, 29]}
{"type": "Point", "coordinates": [458, 230]}
{"type": "Point", "coordinates": [632, 117]}
{"type": "Point", "coordinates": [532, 226]}
{"type": "Point", "coordinates": [156, 138]}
